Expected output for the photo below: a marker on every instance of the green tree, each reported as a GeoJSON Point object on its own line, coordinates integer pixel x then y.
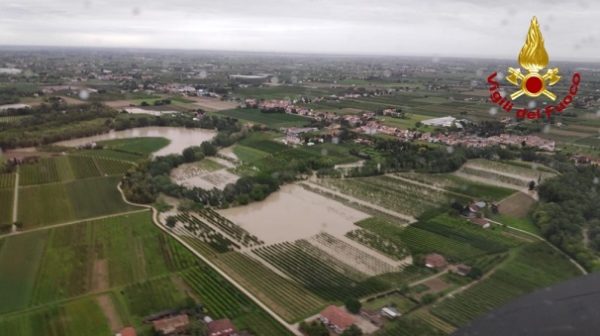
{"type": "Point", "coordinates": [353, 305]}
{"type": "Point", "coordinates": [171, 221]}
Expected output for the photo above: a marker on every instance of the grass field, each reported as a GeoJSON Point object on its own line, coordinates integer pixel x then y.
{"type": "Point", "coordinates": [6, 205]}
{"type": "Point", "coordinates": [19, 257]}
{"type": "Point", "coordinates": [274, 120]}
{"type": "Point", "coordinates": [530, 267]}
{"type": "Point", "coordinates": [142, 146]}
{"type": "Point", "coordinates": [68, 168]}
{"type": "Point", "coordinates": [75, 318]}
{"type": "Point", "coordinates": [450, 236]}
{"type": "Point", "coordinates": [62, 202]}
{"type": "Point", "coordinates": [141, 268]}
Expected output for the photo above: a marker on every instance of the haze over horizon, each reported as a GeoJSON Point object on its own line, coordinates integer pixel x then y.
{"type": "Point", "coordinates": [465, 28]}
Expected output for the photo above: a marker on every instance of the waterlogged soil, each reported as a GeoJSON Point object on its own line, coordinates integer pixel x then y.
{"type": "Point", "coordinates": [179, 137]}
{"type": "Point", "coordinates": [294, 213]}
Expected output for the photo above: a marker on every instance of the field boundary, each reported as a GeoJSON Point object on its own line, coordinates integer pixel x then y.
{"type": "Point", "coordinates": [15, 201]}
{"type": "Point", "coordinates": [72, 222]}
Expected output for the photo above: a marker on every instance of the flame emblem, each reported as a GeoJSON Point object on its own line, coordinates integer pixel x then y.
{"type": "Point", "coordinates": [533, 57]}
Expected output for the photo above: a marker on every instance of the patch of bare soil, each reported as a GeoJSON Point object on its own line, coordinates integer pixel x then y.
{"type": "Point", "coordinates": [100, 279]}
{"type": "Point", "coordinates": [108, 309]}
{"type": "Point", "coordinates": [517, 205]}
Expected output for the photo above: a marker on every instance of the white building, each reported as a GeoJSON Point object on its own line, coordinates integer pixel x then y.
{"type": "Point", "coordinates": [443, 122]}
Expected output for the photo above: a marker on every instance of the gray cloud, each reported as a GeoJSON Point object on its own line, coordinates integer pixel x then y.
{"type": "Point", "coordinates": [406, 27]}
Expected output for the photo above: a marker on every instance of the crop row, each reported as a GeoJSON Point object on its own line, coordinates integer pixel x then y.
{"type": "Point", "coordinates": [316, 275]}
{"type": "Point", "coordinates": [66, 168]}
{"type": "Point", "coordinates": [7, 180]}
{"type": "Point", "coordinates": [394, 194]}
{"type": "Point", "coordinates": [233, 230]}
{"type": "Point", "coordinates": [494, 176]}
{"type": "Point", "coordinates": [534, 266]}
{"type": "Point", "coordinates": [206, 233]}
{"type": "Point", "coordinates": [353, 256]}
{"type": "Point", "coordinates": [393, 249]}
{"type": "Point", "coordinates": [285, 297]}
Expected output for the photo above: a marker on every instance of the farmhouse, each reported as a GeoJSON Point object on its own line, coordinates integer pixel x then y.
{"type": "Point", "coordinates": [336, 319]}
{"type": "Point", "coordinates": [171, 325]}
{"type": "Point", "coordinates": [222, 327]}
{"type": "Point", "coordinates": [436, 261]}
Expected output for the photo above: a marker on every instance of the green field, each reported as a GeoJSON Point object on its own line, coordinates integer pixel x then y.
{"type": "Point", "coordinates": [75, 318]}
{"type": "Point", "coordinates": [144, 271]}
{"type": "Point", "coordinates": [6, 205]}
{"type": "Point", "coordinates": [453, 237]}
{"type": "Point", "coordinates": [19, 257]}
{"type": "Point", "coordinates": [62, 202]}
{"type": "Point", "coordinates": [68, 168]}
{"type": "Point", "coordinates": [530, 267]}
{"type": "Point", "coordinates": [285, 297]}
{"type": "Point", "coordinates": [142, 145]}
{"type": "Point", "coordinates": [274, 120]}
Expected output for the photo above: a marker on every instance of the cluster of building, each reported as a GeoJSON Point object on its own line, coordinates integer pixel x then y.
{"type": "Point", "coordinates": [453, 139]}
{"type": "Point", "coordinates": [170, 323]}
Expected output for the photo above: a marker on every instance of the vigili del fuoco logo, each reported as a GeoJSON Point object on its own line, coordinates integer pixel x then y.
{"type": "Point", "coordinates": [534, 59]}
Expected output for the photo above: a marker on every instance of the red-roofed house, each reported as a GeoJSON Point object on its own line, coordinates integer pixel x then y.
{"type": "Point", "coordinates": [171, 325]}
{"type": "Point", "coordinates": [435, 260]}
{"type": "Point", "coordinates": [222, 327]}
{"type": "Point", "coordinates": [336, 318]}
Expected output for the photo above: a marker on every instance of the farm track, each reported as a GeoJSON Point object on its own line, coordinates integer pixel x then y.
{"type": "Point", "coordinates": [293, 328]}
{"type": "Point", "coordinates": [73, 222]}
{"type": "Point", "coordinates": [352, 199]}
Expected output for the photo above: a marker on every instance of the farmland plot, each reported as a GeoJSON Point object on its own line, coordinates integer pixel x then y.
{"type": "Point", "coordinates": [533, 266]}
{"type": "Point", "coordinates": [398, 195]}
{"type": "Point", "coordinates": [318, 272]}
{"type": "Point", "coordinates": [54, 203]}
{"type": "Point", "coordinates": [368, 263]}
{"type": "Point", "coordinates": [285, 297]}
{"type": "Point", "coordinates": [509, 174]}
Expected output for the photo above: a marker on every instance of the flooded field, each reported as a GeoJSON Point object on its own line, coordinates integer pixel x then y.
{"type": "Point", "coordinates": [206, 174]}
{"type": "Point", "coordinates": [180, 137]}
{"type": "Point", "coordinates": [294, 213]}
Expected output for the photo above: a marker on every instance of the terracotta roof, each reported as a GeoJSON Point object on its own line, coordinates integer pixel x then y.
{"type": "Point", "coordinates": [220, 327]}
{"type": "Point", "coordinates": [127, 331]}
{"type": "Point", "coordinates": [170, 324]}
{"type": "Point", "coordinates": [479, 221]}
{"type": "Point", "coordinates": [435, 260]}
{"type": "Point", "coordinates": [337, 317]}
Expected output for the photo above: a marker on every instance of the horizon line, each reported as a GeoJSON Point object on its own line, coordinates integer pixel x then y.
{"type": "Point", "coordinates": [282, 53]}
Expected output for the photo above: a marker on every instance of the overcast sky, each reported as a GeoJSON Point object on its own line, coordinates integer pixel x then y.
{"type": "Point", "coordinates": [481, 28]}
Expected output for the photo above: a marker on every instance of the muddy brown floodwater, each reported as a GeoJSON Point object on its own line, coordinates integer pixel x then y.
{"type": "Point", "coordinates": [180, 137]}
{"type": "Point", "coordinates": [294, 213]}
